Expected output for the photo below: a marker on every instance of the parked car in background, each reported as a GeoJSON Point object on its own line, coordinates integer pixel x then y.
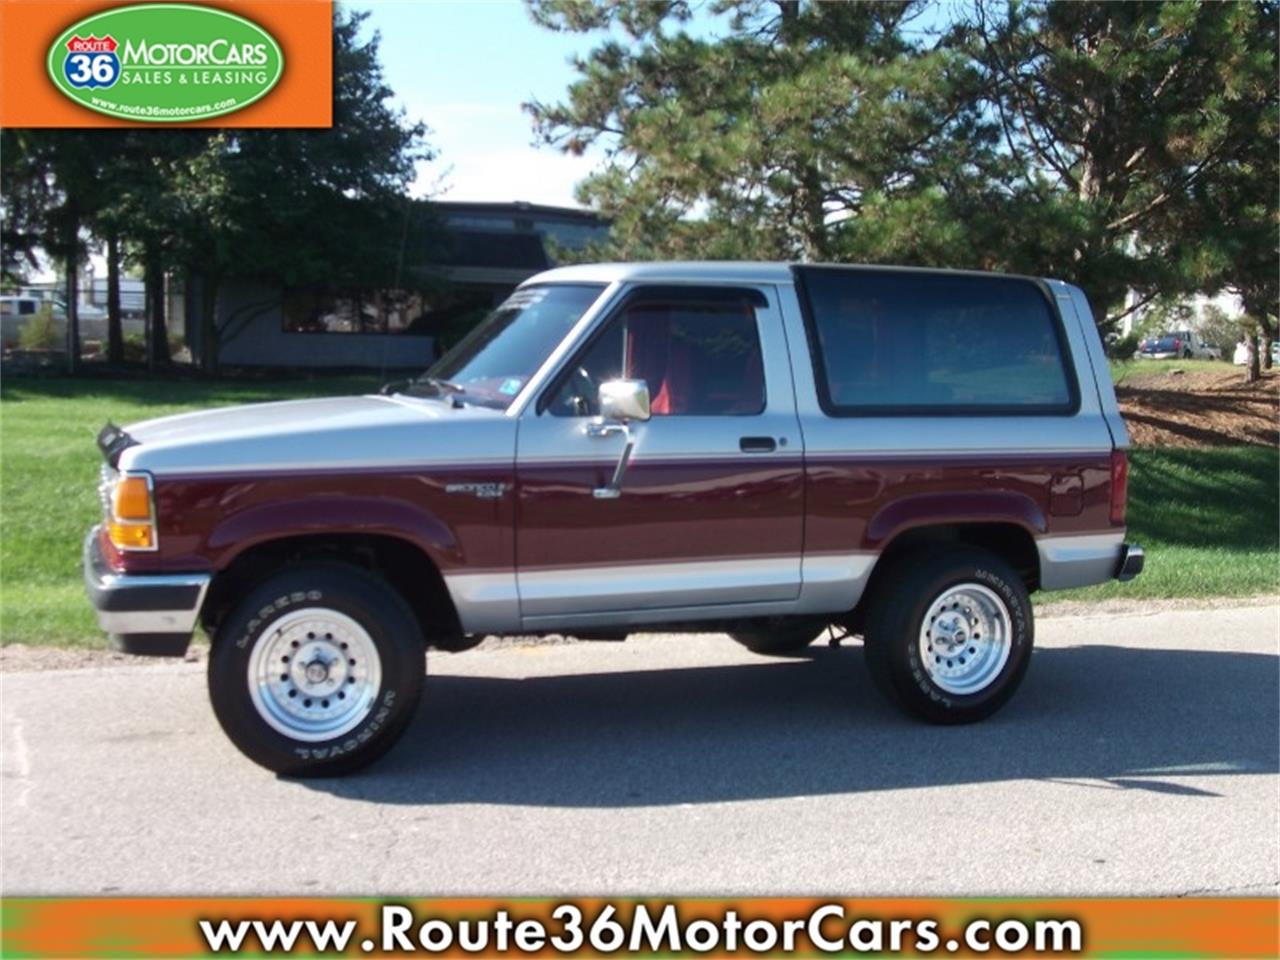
{"type": "Point", "coordinates": [1241, 355]}
{"type": "Point", "coordinates": [1178, 345]}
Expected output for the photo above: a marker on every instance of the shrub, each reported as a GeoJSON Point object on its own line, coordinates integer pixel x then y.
{"type": "Point", "coordinates": [1124, 348]}
{"type": "Point", "coordinates": [1223, 331]}
{"type": "Point", "coordinates": [40, 332]}
{"type": "Point", "coordinates": [135, 347]}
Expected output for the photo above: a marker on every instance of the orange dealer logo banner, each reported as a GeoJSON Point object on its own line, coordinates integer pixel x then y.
{"type": "Point", "coordinates": [252, 63]}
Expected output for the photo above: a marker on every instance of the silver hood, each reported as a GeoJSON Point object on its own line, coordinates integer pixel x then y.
{"type": "Point", "coordinates": [330, 433]}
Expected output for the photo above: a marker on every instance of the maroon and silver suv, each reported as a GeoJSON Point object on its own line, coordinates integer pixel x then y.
{"type": "Point", "coordinates": [756, 448]}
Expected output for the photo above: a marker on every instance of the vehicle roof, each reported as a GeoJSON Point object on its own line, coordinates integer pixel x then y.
{"type": "Point", "coordinates": [742, 271]}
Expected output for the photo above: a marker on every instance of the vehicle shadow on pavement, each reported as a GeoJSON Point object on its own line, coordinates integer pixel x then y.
{"type": "Point", "coordinates": [1105, 717]}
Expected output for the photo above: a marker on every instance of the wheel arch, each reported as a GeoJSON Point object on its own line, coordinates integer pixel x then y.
{"type": "Point", "coordinates": [400, 561]}
{"type": "Point", "coordinates": [948, 510]}
{"type": "Point", "coordinates": [1008, 538]}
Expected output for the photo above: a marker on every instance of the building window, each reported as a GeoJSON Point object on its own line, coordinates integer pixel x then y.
{"type": "Point", "coordinates": [368, 311]}
{"type": "Point", "coordinates": [22, 308]}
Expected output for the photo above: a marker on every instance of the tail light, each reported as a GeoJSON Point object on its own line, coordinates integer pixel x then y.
{"type": "Point", "coordinates": [1119, 486]}
{"type": "Point", "coordinates": [1177, 344]}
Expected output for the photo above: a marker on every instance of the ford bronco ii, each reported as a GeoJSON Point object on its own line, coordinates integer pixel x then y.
{"type": "Point", "coordinates": [754, 448]}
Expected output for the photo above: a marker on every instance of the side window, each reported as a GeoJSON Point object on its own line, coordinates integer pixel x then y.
{"type": "Point", "coordinates": [26, 307]}
{"type": "Point", "coordinates": [892, 342]}
{"type": "Point", "coordinates": [698, 358]}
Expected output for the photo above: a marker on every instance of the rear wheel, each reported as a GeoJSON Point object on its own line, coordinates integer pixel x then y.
{"type": "Point", "coordinates": [950, 638]}
{"type": "Point", "coordinates": [318, 671]}
{"type": "Point", "coordinates": [781, 637]}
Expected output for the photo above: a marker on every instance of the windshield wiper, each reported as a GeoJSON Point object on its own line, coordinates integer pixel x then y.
{"type": "Point", "coordinates": [440, 387]}
{"type": "Point", "coordinates": [436, 387]}
{"type": "Point", "coordinates": [443, 386]}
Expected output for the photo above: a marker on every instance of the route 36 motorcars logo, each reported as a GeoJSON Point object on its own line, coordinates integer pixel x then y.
{"type": "Point", "coordinates": [165, 62]}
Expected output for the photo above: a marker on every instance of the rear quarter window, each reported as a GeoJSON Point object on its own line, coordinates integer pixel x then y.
{"type": "Point", "coordinates": [906, 343]}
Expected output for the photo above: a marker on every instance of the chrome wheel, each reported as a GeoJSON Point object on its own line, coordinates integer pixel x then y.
{"type": "Point", "coordinates": [965, 639]}
{"type": "Point", "coordinates": [314, 674]}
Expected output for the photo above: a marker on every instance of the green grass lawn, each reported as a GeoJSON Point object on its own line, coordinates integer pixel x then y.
{"type": "Point", "coordinates": [1125, 370]}
{"type": "Point", "coordinates": [48, 483]}
{"type": "Point", "coordinates": [1208, 518]}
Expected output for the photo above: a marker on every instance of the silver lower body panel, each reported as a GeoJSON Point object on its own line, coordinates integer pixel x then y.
{"type": "Point", "coordinates": [1068, 562]}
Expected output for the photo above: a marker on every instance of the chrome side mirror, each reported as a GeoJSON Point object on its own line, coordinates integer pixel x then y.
{"type": "Point", "coordinates": [624, 400]}
{"type": "Point", "coordinates": [621, 401]}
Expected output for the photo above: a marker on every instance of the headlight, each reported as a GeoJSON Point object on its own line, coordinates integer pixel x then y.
{"type": "Point", "coordinates": [131, 518]}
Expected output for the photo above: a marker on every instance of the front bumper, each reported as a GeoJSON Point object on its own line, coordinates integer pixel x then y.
{"type": "Point", "coordinates": [150, 614]}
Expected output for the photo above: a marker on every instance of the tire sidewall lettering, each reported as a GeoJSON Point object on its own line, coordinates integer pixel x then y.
{"type": "Point", "coordinates": [355, 740]}
{"type": "Point", "coordinates": [270, 610]}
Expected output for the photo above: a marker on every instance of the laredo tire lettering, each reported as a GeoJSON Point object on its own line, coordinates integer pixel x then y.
{"type": "Point", "coordinates": [280, 603]}
{"type": "Point", "coordinates": [386, 621]}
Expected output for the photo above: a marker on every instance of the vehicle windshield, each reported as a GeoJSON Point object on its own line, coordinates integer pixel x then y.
{"type": "Point", "coordinates": [492, 363]}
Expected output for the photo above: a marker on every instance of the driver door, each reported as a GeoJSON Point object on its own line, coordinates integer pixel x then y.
{"type": "Point", "coordinates": [710, 516]}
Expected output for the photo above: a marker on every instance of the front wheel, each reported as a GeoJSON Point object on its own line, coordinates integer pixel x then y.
{"type": "Point", "coordinates": [317, 672]}
{"type": "Point", "coordinates": [950, 638]}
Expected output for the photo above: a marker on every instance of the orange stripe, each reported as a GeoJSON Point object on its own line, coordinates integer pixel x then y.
{"type": "Point", "coordinates": [90, 928]}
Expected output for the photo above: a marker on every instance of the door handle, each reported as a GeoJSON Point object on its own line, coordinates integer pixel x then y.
{"type": "Point", "coordinates": [757, 444]}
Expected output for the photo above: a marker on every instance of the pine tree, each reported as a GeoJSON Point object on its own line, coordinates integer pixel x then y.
{"type": "Point", "coordinates": [812, 131]}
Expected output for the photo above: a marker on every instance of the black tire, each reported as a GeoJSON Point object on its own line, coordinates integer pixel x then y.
{"type": "Point", "coordinates": [894, 647]}
{"type": "Point", "coordinates": [387, 627]}
{"type": "Point", "coordinates": [781, 637]}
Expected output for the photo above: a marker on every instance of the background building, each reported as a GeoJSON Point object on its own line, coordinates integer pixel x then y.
{"type": "Point", "coordinates": [473, 257]}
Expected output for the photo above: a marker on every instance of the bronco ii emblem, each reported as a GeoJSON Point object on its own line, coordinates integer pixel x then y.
{"type": "Point", "coordinates": [485, 491]}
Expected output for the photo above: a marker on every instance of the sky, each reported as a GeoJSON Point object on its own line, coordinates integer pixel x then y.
{"type": "Point", "coordinates": [464, 68]}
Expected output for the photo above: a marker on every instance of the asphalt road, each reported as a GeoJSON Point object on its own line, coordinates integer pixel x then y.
{"type": "Point", "coordinates": [1140, 757]}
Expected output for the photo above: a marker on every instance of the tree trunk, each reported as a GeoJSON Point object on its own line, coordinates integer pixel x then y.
{"type": "Point", "coordinates": [73, 288]}
{"type": "Point", "coordinates": [1251, 372]}
{"type": "Point", "coordinates": [1260, 307]}
{"type": "Point", "coordinates": [157, 332]}
{"type": "Point", "coordinates": [209, 344]}
{"type": "Point", "coordinates": [115, 326]}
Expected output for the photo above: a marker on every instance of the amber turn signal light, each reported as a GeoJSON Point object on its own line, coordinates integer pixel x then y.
{"type": "Point", "coordinates": [130, 525]}
{"type": "Point", "coordinates": [130, 536]}
{"type": "Point", "coordinates": [131, 500]}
